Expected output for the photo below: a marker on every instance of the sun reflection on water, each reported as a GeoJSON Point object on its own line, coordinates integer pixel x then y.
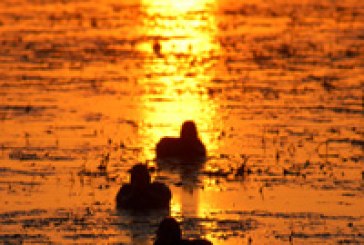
{"type": "Point", "coordinates": [176, 79]}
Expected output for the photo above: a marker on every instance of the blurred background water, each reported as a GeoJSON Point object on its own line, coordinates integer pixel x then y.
{"type": "Point", "coordinates": [275, 86]}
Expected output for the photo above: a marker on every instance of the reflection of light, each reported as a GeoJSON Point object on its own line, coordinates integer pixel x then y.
{"type": "Point", "coordinates": [176, 208]}
{"type": "Point", "coordinates": [186, 202]}
{"type": "Point", "coordinates": [185, 26]}
{"type": "Point", "coordinates": [173, 6]}
{"type": "Point", "coordinates": [176, 80]}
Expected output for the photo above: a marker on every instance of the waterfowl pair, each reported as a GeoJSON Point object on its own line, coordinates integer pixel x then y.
{"type": "Point", "coordinates": [140, 193]}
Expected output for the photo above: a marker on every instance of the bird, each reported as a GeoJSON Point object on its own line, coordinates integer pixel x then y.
{"type": "Point", "coordinates": [157, 48]}
{"type": "Point", "coordinates": [141, 193]}
{"type": "Point", "coordinates": [169, 233]}
{"type": "Point", "coordinates": [187, 146]}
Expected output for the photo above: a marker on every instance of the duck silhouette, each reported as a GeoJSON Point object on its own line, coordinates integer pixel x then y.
{"type": "Point", "coordinates": [141, 193]}
{"type": "Point", "coordinates": [169, 233]}
{"type": "Point", "coordinates": [187, 146]}
{"type": "Point", "coordinates": [157, 48]}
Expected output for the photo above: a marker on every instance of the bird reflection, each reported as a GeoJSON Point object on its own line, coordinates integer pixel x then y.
{"type": "Point", "coordinates": [190, 179]}
{"type": "Point", "coordinates": [138, 224]}
{"type": "Point", "coordinates": [157, 48]}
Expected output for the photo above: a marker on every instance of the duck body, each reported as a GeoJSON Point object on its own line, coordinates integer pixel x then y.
{"type": "Point", "coordinates": [141, 193]}
{"type": "Point", "coordinates": [154, 196]}
{"type": "Point", "coordinates": [169, 147]}
{"type": "Point", "coordinates": [187, 146]}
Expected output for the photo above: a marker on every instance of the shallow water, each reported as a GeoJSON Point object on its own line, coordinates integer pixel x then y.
{"type": "Point", "coordinates": [275, 85]}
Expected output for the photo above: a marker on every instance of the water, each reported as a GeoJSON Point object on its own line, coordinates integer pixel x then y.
{"type": "Point", "coordinates": [277, 85]}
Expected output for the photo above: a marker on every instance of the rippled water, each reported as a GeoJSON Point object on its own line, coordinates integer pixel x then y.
{"type": "Point", "coordinates": [275, 85]}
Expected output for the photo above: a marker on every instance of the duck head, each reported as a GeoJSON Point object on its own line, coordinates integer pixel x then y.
{"type": "Point", "coordinates": [169, 231]}
{"type": "Point", "coordinates": [189, 130]}
{"type": "Point", "coordinates": [140, 177]}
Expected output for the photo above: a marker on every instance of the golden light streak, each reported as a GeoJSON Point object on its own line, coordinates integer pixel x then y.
{"type": "Point", "coordinates": [176, 79]}
{"type": "Point", "coordinates": [179, 75]}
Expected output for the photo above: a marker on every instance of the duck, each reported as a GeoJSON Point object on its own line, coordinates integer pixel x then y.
{"type": "Point", "coordinates": [169, 233]}
{"type": "Point", "coordinates": [141, 193]}
{"type": "Point", "coordinates": [187, 146]}
{"type": "Point", "coordinates": [157, 48]}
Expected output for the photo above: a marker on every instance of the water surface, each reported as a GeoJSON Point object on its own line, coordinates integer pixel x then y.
{"type": "Point", "coordinates": [276, 86]}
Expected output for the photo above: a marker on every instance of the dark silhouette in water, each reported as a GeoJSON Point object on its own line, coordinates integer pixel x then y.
{"type": "Point", "coordinates": [169, 233]}
{"type": "Point", "coordinates": [187, 146]}
{"type": "Point", "coordinates": [141, 194]}
{"type": "Point", "coordinates": [157, 48]}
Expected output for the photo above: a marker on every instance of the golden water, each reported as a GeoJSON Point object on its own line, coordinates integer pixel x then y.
{"type": "Point", "coordinates": [275, 84]}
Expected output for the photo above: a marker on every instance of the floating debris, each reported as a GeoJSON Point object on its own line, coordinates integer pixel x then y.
{"type": "Point", "coordinates": [243, 169]}
{"type": "Point", "coordinates": [157, 47]}
{"type": "Point", "coordinates": [20, 155]}
{"type": "Point", "coordinates": [287, 172]}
